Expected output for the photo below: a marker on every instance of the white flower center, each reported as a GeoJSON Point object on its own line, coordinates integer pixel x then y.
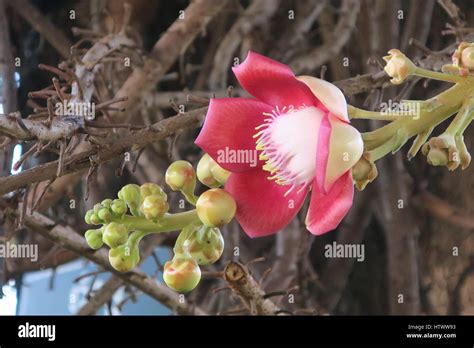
{"type": "Point", "coordinates": [288, 140]}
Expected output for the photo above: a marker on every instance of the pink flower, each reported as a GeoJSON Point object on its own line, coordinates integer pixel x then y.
{"type": "Point", "coordinates": [300, 130]}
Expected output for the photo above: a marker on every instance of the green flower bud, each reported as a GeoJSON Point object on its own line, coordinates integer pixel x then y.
{"type": "Point", "coordinates": [220, 174]}
{"type": "Point", "coordinates": [149, 189]}
{"type": "Point", "coordinates": [154, 206]}
{"type": "Point", "coordinates": [206, 245]}
{"type": "Point", "coordinates": [204, 173]}
{"type": "Point", "coordinates": [131, 195]}
{"type": "Point", "coordinates": [216, 208]}
{"type": "Point", "coordinates": [182, 274]}
{"type": "Point", "coordinates": [106, 203]}
{"type": "Point", "coordinates": [124, 258]}
{"type": "Point", "coordinates": [104, 214]}
{"type": "Point", "coordinates": [88, 216]}
{"type": "Point", "coordinates": [118, 207]}
{"type": "Point", "coordinates": [115, 235]}
{"type": "Point", "coordinates": [180, 176]}
{"type": "Point", "coordinates": [94, 238]}
{"type": "Point", "coordinates": [94, 219]}
{"type": "Point", "coordinates": [97, 207]}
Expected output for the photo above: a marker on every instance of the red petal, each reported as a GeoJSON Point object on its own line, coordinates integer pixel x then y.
{"type": "Point", "coordinates": [229, 128]}
{"type": "Point", "coordinates": [262, 208]}
{"type": "Point", "coordinates": [272, 82]}
{"type": "Point", "coordinates": [327, 210]}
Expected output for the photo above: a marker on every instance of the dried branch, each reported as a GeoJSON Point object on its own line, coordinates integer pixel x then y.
{"type": "Point", "coordinates": [166, 50]}
{"type": "Point", "coordinates": [114, 149]}
{"type": "Point", "coordinates": [256, 14]}
{"type": "Point", "coordinates": [444, 211]}
{"type": "Point", "coordinates": [342, 33]}
{"type": "Point", "coordinates": [70, 239]}
{"type": "Point", "coordinates": [42, 25]}
{"type": "Point", "coordinates": [242, 283]}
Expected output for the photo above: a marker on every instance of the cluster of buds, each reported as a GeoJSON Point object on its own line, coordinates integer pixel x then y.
{"type": "Point", "coordinates": [200, 242]}
{"type": "Point", "coordinates": [148, 201]}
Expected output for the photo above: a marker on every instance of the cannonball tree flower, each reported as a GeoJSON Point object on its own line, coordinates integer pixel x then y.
{"type": "Point", "coordinates": [292, 138]}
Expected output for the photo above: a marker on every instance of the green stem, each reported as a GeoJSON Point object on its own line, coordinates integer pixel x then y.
{"type": "Point", "coordinates": [433, 112]}
{"type": "Point", "coordinates": [439, 76]}
{"type": "Point", "coordinates": [370, 115]}
{"type": "Point", "coordinates": [463, 117]}
{"type": "Point", "coordinates": [170, 222]}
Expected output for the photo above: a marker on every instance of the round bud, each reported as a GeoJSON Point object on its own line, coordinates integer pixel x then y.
{"type": "Point", "coordinates": [106, 203]}
{"type": "Point", "coordinates": [104, 214]}
{"type": "Point", "coordinates": [206, 245]}
{"type": "Point", "coordinates": [182, 274]}
{"type": "Point", "coordinates": [118, 207]}
{"type": "Point", "coordinates": [180, 176]}
{"type": "Point", "coordinates": [220, 174]}
{"type": "Point", "coordinates": [131, 195]}
{"type": "Point", "coordinates": [438, 157]}
{"type": "Point", "coordinates": [88, 216]}
{"type": "Point", "coordinates": [94, 219]}
{"type": "Point", "coordinates": [154, 206]}
{"type": "Point", "coordinates": [149, 189]}
{"type": "Point", "coordinates": [94, 238]}
{"type": "Point", "coordinates": [467, 57]}
{"type": "Point", "coordinates": [216, 208]}
{"type": "Point", "coordinates": [97, 207]}
{"type": "Point", "coordinates": [203, 171]}
{"type": "Point", "coordinates": [115, 235]}
{"type": "Point", "coordinates": [124, 258]}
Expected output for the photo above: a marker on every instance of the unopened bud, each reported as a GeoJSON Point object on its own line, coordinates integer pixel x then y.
{"type": "Point", "coordinates": [364, 172]}
{"type": "Point", "coordinates": [180, 176]}
{"type": "Point", "coordinates": [88, 216]}
{"type": "Point", "coordinates": [115, 234]}
{"type": "Point", "coordinates": [216, 208]}
{"type": "Point", "coordinates": [149, 189]}
{"type": "Point", "coordinates": [106, 203]}
{"type": "Point", "coordinates": [104, 214]}
{"type": "Point", "coordinates": [154, 206]}
{"type": "Point", "coordinates": [204, 173]}
{"type": "Point", "coordinates": [398, 67]}
{"type": "Point", "coordinates": [205, 245]}
{"type": "Point", "coordinates": [124, 258]}
{"type": "Point", "coordinates": [131, 195]}
{"type": "Point", "coordinates": [182, 274]}
{"type": "Point", "coordinates": [118, 207]}
{"type": "Point", "coordinates": [94, 238]}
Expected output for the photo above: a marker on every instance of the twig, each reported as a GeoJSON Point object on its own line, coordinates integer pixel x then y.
{"type": "Point", "coordinates": [342, 33]}
{"type": "Point", "coordinates": [79, 162]}
{"type": "Point", "coordinates": [42, 25]}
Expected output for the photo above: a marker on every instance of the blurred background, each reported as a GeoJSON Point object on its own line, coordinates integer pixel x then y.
{"type": "Point", "coordinates": [415, 221]}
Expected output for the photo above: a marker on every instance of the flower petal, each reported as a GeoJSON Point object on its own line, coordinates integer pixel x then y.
{"type": "Point", "coordinates": [327, 210]}
{"type": "Point", "coordinates": [345, 149]}
{"type": "Point", "coordinates": [331, 96]}
{"type": "Point", "coordinates": [262, 208]}
{"type": "Point", "coordinates": [227, 133]}
{"type": "Point", "coordinates": [272, 82]}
